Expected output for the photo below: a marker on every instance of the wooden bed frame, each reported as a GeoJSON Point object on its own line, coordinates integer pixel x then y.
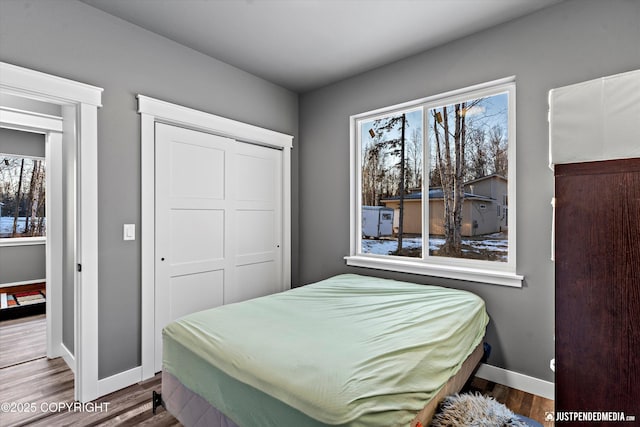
{"type": "Point", "coordinates": [454, 385]}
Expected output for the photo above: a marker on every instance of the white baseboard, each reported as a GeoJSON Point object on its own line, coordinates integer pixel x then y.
{"type": "Point", "coordinates": [516, 380]}
{"type": "Point", "coordinates": [119, 381]}
{"type": "Point", "coordinates": [68, 358]}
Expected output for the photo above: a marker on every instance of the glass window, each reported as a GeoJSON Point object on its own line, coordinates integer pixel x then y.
{"type": "Point", "coordinates": [22, 197]}
{"type": "Point", "coordinates": [428, 178]}
{"type": "Point", "coordinates": [468, 168]}
{"type": "Point", "coordinates": [391, 176]}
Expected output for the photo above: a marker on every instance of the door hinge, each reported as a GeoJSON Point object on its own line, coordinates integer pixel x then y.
{"type": "Point", "coordinates": [79, 268]}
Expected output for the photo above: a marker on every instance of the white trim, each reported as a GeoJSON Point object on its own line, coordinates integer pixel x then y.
{"type": "Point", "coordinates": [23, 241]}
{"type": "Point", "coordinates": [29, 120]}
{"type": "Point", "coordinates": [517, 380]}
{"type": "Point", "coordinates": [87, 281]}
{"type": "Point", "coordinates": [151, 111]}
{"type": "Point", "coordinates": [492, 272]}
{"type": "Point", "coordinates": [286, 243]}
{"type": "Point", "coordinates": [26, 282]}
{"type": "Point", "coordinates": [46, 87]}
{"type": "Point", "coordinates": [178, 115]}
{"type": "Point", "coordinates": [147, 241]}
{"type": "Point", "coordinates": [435, 98]}
{"type": "Point", "coordinates": [68, 357]}
{"type": "Point", "coordinates": [391, 263]}
{"type": "Point", "coordinates": [55, 241]}
{"type": "Point", "coordinates": [80, 102]}
{"type": "Point", "coordinates": [119, 381]}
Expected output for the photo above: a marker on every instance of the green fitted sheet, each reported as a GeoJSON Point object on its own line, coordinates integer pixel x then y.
{"type": "Point", "coordinates": [344, 351]}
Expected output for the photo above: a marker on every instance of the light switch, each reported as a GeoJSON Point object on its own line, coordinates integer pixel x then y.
{"type": "Point", "coordinates": [129, 232]}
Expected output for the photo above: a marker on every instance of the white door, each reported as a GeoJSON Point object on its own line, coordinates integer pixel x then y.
{"type": "Point", "coordinates": [256, 235]}
{"type": "Point", "coordinates": [218, 223]}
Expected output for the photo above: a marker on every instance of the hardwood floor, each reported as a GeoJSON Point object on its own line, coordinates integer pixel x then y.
{"type": "Point", "coordinates": [46, 386]}
{"type": "Point", "coordinates": [22, 340]}
{"type": "Point", "coordinates": [520, 402]}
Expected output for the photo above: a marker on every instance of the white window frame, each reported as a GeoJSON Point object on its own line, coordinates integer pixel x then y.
{"type": "Point", "coordinates": [491, 272]}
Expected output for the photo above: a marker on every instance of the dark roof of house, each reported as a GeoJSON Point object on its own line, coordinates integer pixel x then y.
{"type": "Point", "coordinates": [437, 193]}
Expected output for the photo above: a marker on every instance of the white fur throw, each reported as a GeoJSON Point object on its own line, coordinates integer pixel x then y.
{"type": "Point", "coordinates": [474, 410]}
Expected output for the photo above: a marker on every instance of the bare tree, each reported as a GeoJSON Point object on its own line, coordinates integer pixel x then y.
{"type": "Point", "coordinates": [374, 174]}
{"type": "Point", "coordinates": [34, 199]}
{"type": "Point", "coordinates": [450, 141]}
{"type": "Point", "coordinates": [414, 158]}
{"type": "Point", "coordinates": [477, 153]}
{"type": "Point", "coordinates": [397, 147]}
{"type": "Point", "coordinates": [498, 151]}
{"type": "Point", "coordinates": [18, 195]}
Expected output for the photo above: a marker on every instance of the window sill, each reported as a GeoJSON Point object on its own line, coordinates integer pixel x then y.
{"type": "Point", "coordinates": [22, 241]}
{"type": "Point", "coordinates": [495, 277]}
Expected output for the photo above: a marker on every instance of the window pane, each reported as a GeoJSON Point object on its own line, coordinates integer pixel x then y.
{"type": "Point", "coordinates": [391, 148]}
{"type": "Point", "coordinates": [22, 197]}
{"type": "Point", "coordinates": [468, 145]}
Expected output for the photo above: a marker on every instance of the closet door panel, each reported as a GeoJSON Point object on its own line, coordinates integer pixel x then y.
{"type": "Point", "coordinates": [257, 230]}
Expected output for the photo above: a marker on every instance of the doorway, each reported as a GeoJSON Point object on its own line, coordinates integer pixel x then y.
{"type": "Point", "coordinates": [33, 256]}
{"type": "Point", "coordinates": [75, 128]}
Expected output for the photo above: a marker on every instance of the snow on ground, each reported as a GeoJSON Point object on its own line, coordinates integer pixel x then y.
{"type": "Point", "coordinates": [384, 247]}
{"type": "Point", "coordinates": [6, 225]}
{"type": "Point", "coordinates": [496, 243]}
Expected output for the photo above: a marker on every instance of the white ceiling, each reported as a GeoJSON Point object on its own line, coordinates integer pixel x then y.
{"type": "Point", "coordinates": [306, 44]}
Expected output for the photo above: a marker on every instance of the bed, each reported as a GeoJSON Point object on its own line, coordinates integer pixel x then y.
{"type": "Point", "coordinates": [348, 351]}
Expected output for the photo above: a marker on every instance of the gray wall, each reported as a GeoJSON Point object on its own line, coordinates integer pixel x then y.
{"type": "Point", "coordinates": [22, 263]}
{"type": "Point", "coordinates": [21, 143]}
{"type": "Point", "coordinates": [70, 39]}
{"type": "Point", "coordinates": [568, 43]}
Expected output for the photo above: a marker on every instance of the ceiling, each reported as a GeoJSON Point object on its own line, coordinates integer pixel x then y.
{"type": "Point", "coordinates": [306, 44]}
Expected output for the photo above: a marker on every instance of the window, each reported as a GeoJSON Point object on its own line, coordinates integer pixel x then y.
{"type": "Point", "coordinates": [428, 177]}
{"type": "Point", "coordinates": [22, 197]}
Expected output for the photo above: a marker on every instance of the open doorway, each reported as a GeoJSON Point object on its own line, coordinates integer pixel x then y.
{"type": "Point", "coordinates": [32, 228]}
{"type": "Point", "coordinates": [69, 125]}
{"type": "Point", "coordinates": [23, 289]}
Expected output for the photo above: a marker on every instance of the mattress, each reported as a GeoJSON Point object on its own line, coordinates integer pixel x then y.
{"type": "Point", "coordinates": [349, 351]}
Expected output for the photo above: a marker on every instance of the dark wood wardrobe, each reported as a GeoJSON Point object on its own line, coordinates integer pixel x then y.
{"type": "Point", "coordinates": [597, 274]}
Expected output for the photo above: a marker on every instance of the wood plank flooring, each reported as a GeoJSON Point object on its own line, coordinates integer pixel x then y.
{"type": "Point", "coordinates": [22, 340]}
{"type": "Point", "coordinates": [520, 402]}
{"type": "Point", "coordinates": [36, 380]}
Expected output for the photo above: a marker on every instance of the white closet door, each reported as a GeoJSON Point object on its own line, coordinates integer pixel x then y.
{"type": "Point", "coordinates": [218, 223]}
{"type": "Point", "coordinates": [257, 223]}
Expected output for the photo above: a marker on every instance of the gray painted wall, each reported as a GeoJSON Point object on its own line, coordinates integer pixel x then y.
{"type": "Point", "coordinates": [22, 263]}
{"type": "Point", "coordinates": [21, 143]}
{"type": "Point", "coordinates": [568, 43]}
{"type": "Point", "coordinates": [70, 39]}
